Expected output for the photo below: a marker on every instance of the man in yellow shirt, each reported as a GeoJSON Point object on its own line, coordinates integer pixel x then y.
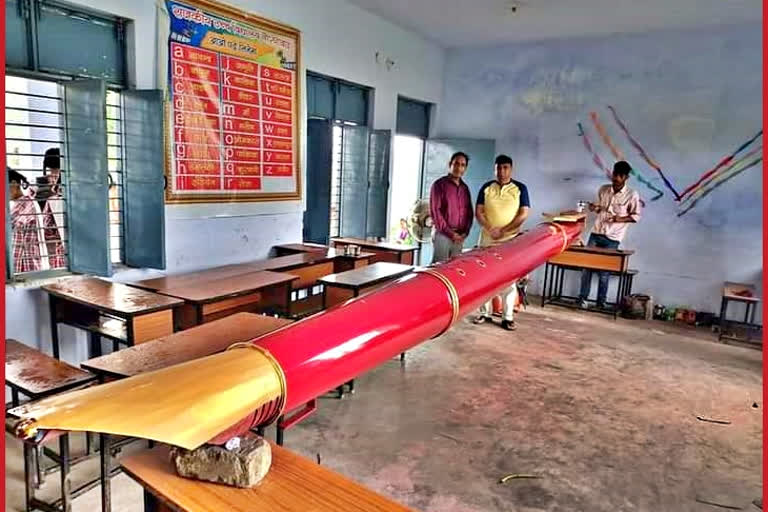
{"type": "Point", "coordinates": [501, 208]}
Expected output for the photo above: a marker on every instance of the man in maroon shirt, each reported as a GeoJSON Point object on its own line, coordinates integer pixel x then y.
{"type": "Point", "coordinates": [450, 204]}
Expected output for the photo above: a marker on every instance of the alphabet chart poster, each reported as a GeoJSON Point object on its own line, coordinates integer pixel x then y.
{"type": "Point", "coordinates": [233, 115]}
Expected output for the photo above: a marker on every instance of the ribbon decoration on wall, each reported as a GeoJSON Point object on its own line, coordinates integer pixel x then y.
{"type": "Point", "coordinates": [619, 155]}
{"type": "Point", "coordinates": [595, 157]}
{"type": "Point", "coordinates": [725, 161]}
{"type": "Point", "coordinates": [642, 152]}
{"type": "Point", "coordinates": [717, 180]}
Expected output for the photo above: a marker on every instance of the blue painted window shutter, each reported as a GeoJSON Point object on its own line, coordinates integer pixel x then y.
{"type": "Point", "coordinates": [378, 183]}
{"type": "Point", "coordinates": [86, 176]}
{"type": "Point", "coordinates": [354, 180]}
{"type": "Point", "coordinates": [144, 212]}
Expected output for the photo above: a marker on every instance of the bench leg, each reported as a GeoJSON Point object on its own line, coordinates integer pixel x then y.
{"type": "Point", "coordinates": [29, 478]}
{"type": "Point", "coordinates": [66, 485]}
{"type": "Point", "coordinates": [54, 325]}
{"type": "Point", "coordinates": [106, 489]}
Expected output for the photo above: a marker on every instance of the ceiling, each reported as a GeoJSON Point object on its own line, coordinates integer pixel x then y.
{"type": "Point", "coordinates": [465, 23]}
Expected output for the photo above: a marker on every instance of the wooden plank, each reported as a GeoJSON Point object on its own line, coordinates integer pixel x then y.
{"type": "Point", "coordinates": [152, 326]}
{"type": "Point", "coordinates": [592, 260]}
{"type": "Point", "coordinates": [115, 298]}
{"type": "Point", "coordinates": [367, 276]}
{"type": "Point", "coordinates": [293, 484]}
{"type": "Point", "coordinates": [37, 373]}
{"type": "Point", "coordinates": [227, 304]}
{"type": "Point", "coordinates": [184, 346]}
{"type": "Point", "coordinates": [308, 275]}
{"type": "Point", "coordinates": [335, 295]}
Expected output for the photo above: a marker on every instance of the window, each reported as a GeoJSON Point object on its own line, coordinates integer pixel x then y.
{"type": "Point", "coordinates": [45, 36]}
{"type": "Point", "coordinates": [35, 128]}
{"type": "Point", "coordinates": [64, 65]}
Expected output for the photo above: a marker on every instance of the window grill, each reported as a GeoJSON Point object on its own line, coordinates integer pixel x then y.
{"type": "Point", "coordinates": [34, 125]}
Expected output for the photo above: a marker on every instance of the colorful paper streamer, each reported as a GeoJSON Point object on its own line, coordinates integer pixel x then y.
{"type": "Point", "coordinates": [714, 177]}
{"type": "Point", "coordinates": [725, 161]}
{"type": "Point", "coordinates": [595, 157]}
{"type": "Point", "coordinates": [619, 155]}
{"type": "Point", "coordinates": [642, 152]}
{"type": "Point", "coordinates": [723, 178]}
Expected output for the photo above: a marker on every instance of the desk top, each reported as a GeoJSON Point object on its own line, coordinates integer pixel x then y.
{"type": "Point", "coordinates": [739, 291]}
{"type": "Point", "coordinates": [388, 246]}
{"type": "Point", "coordinates": [293, 484]}
{"type": "Point", "coordinates": [218, 289]}
{"type": "Point", "coordinates": [367, 276]}
{"type": "Point", "coordinates": [115, 298]}
{"type": "Point", "coordinates": [39, 373]}
{"type": "Point", "coordinates": [279, 264]}
{"type": "Point", "coordinates": [194, 343]}
{"type": "Point", "coordinates": [303, 247]}
{"type": "Point", "coordinates": [600, 250]}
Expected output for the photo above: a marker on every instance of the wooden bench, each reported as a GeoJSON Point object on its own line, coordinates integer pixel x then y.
{"type": "Point", "coordinates": [36, 375]}
{"type": "Point", "coordinates": [745, 294]}
{"type": "Point", "coordinates": [293, 484]}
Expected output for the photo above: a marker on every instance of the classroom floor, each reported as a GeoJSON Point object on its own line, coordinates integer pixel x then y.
{"type": "Point", "coordinates": [603, 413]}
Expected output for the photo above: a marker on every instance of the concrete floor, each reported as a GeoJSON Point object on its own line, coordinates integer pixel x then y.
{"type": "Point", "coordinates": [603, 412]}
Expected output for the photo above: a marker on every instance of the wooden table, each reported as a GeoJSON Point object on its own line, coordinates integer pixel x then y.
{"type": "Point", "coordinates": [307, 266]}
{"type": "Point", "coordinates": [115, 311]}
{"type": "Point", "coordinates": [383, 251]}
{"type": "Point", "coordinates": [293, 484]}
{"type": "Point", "coordinates": [218, 298]}
{"type": "Point", "coordinates": [201, 341]}
{"type": "Point", "coordinates": [745, 294]}
{"type": "Point", "coordinates": [346, 285]}
{"type": "Point", "coordinates": [578, 258]}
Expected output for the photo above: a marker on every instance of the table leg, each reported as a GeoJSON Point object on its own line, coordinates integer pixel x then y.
{"type": "Point", "coordinates": [544, 287]}
{"type": "Point", "coordinates": [54, 325]}
{"type": "Point", "coordinates": [723, 309]}
{"type": "Point", "coordinates": [560, 283]}
{"type": "Point", "coordinates": [95, 342]}
{"type": "Point", "coordinates": [150, 502]}
{"type": "Point", "coordinates": [14, 397]}
{"type": "Point", "coordinates": [618, 296]}
{"type": "Point", "coordinates": [66, 502]}
{"type": "Point", "coordinates": [402, 357]}
{"type": "Point", "coordinates": [106, 485]}
{"type": "Point", "coordinates": [747, 324]}
{"type": "Point", "coordinates": [39, 466]}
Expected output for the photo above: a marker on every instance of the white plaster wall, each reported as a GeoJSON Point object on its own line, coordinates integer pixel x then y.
{"type": "Point", "coordinates": [338, 39]}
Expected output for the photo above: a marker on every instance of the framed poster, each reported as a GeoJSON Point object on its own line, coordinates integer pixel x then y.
{"type": "Point", "coordinates": [233, 114]}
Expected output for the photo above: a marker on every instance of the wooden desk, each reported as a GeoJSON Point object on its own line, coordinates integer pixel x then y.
{"type": "Point", "coordinates": [578, 258]}
{"type": "Point", "coordinates": [293, 484]}
{"type": "Point", "coordinates": [346, 285]}
{"type": "Point", "coordinates": [217, 298]}
{"type": "Point", "coordinates": [201, 341]}
{"type": "Point", "coordinates": [383, 251]}
{"type": "Point", "coordinates": [308, 266]}
{"type": "Point", "coordinates": [111, 310]}
{"type": "Point", "coordinates": [747, 295]}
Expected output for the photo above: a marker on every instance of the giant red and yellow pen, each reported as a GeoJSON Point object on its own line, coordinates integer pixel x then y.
{"type": "Point", "coordinates": [212, 399]}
